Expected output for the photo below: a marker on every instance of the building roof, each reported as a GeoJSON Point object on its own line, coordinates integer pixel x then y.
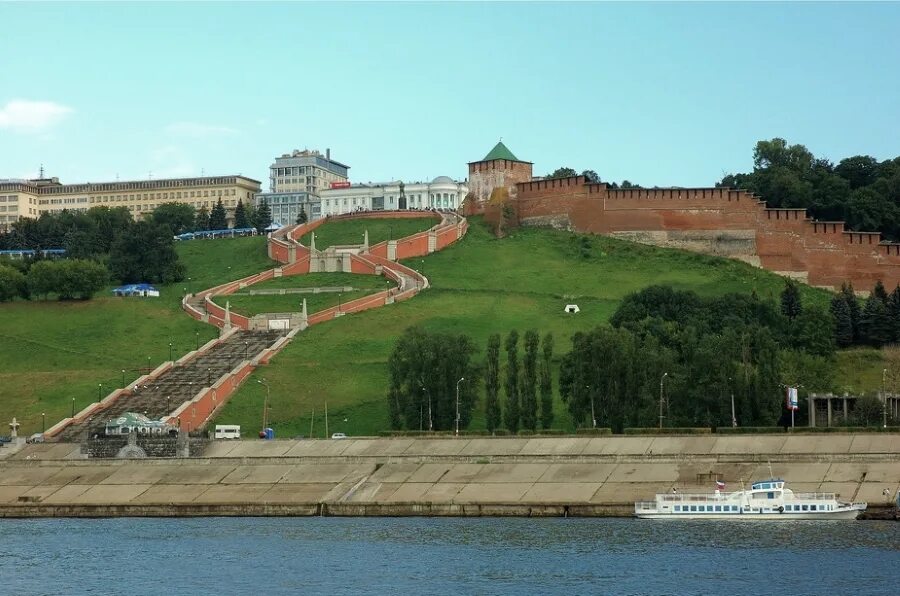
{"type": "Point", "coordinates": [500, 151]}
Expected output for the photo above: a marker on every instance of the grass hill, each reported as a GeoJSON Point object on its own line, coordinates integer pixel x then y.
{"type": "Point", "coordinates": [481, 285]}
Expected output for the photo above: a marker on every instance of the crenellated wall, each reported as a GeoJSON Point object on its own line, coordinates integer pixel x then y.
{"type": "Point", "coordinates": [718, 221]}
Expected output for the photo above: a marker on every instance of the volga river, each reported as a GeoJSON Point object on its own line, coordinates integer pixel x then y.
{"type": "Point", "coordinates": [446, 556]}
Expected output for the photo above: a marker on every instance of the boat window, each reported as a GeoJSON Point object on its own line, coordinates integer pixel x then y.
{"type": "Point", "coordinates": [812, 507]}
{"type": "Point", "coordinates": [718, 508]}
{"type": "Point", "coordinates": [677, 507]}
{"type": "Point", "coordinates": [693, 508]}
{"type": "Point", "coordinates": [805, 507]}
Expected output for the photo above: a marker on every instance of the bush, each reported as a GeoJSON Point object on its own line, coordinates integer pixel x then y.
{"type": "Point", "coordinates": [12, 283]}
{"type": "Point", "coordinates": [749, 430]}
{"type": "Point", "coordinates": [594, 431]}
{"type": "Point", "coordinates": [69, 279]}
{"type": "Point", "coordinates": [687, 430]}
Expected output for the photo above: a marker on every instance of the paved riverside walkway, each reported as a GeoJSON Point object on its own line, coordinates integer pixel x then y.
{"type": "Point", "coordinates": [466, 476]}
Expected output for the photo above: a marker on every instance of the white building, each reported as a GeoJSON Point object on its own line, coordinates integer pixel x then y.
{"type": "Point", "coordinates": [442, 193]}
{"type": "Point", "coordinates": [295, 181]}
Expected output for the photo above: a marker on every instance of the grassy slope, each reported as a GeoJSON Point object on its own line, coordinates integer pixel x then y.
{"type": "Point", "coordinates": [481, 286]}
{"type": "Point", "coordinates": [54, 351]}
{"type": "Point", "coordinates": [351, 231]}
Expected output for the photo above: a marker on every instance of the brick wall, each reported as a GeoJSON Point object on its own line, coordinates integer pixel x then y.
{"type": "Point", "coordinates": [485, 176]}
{"type": "Point", "coordinates": [706, 219]}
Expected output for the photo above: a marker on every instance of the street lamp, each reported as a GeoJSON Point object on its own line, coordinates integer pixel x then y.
{"type": "Point", "coordinates": [339, 303]}
{"type": "Point", "coordinates": [265, 403]}
{"type": "Point", "coordinates": [209, 376]}
{"type": "Point", "coordinates": [430, 419]}
{"type": "Point", "coordinates": [99, 391]}
{"type": "Point", "coordinates": [661, 381]}
{"type": "Point", "coordinates": [461, 379]}
{"type": "Point", "coordinates": [731, 388]}
{"type": "Point", "coordinates": [197, 341]}
{"type": "Point", "coordinates": [170, 351]}
{"type": "Point", "coordinates": [246, 349]}
{"type": "Point", "coordinates": [148, 364]}
{"type": "Point", "coordinates": [168, 407]}
{"type": "Point", "coordinates": [883, 400]}
{"type": "Point", "coordinates": [43, 422]}
{"type": "Point", "coordinates": [123, 377]}
{"type": "Point", "coordinates": [73, 407]}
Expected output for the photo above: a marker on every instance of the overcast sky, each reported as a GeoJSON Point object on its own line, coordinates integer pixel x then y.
{"type": "Point", "coordinates": [660, 94]}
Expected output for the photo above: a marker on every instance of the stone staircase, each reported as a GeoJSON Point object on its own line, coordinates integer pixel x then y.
{"type": "Point", "coordinates": [178, 384]}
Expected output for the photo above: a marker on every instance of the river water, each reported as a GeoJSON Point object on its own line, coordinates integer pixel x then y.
{"type": "Point", "coordinates": [446, 556]}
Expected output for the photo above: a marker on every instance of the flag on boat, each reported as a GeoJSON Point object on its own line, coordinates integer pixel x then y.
{"type": "Point", "coordinates": [720, 485]}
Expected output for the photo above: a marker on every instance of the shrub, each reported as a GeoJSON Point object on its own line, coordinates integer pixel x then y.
{"type": "Point", "coordinates": [594, 431]}
{"type": "Point", "coordinates": [12, 283]}
{"type": "Point", "coordinates": [687, 430]}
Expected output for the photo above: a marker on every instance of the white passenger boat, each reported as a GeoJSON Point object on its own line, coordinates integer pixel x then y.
{"type": "Point", "coordinates": [766, 500]}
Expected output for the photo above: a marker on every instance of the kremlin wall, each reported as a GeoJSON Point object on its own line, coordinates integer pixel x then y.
{"type": "Point", "coordinates": [717, 221]}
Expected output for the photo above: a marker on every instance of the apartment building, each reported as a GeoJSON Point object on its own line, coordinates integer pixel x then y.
{"type": "Point", "coordinates": [296, 180]}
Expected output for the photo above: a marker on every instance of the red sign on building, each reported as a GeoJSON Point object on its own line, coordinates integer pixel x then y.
{"type": "Point", "coordinates": [341, 184]}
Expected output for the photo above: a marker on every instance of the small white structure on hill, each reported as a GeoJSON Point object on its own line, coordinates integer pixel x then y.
{"type": "Point", "coordinates": [572, 308]}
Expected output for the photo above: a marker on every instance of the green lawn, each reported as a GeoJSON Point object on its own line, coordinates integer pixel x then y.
{"type": "Point", "coordinates": [53, 351]}
{"type": "Point", "coordinates": [481, 285]}
{"type": "Point", "coordinates": [351, 231]}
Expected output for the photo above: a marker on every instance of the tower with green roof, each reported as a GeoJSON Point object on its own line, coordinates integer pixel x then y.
{"type": "Point", "coordinates": [499, 168]}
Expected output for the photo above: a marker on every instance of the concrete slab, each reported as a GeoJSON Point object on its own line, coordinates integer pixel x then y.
{"type": "Point", "coordinates": [373, 447]}
{"type": "Point", "coordinates": [846, 472]}
{"type": "Point", "coordinates": [82, 475]}
{"type": "Point", "coordinates": [617, 446]}
{"type": "Point", "coordinates": [41, 492]}
{"type": "Point", "coordinates": [494, 446]}
{"type": "Point", "coordinates": [297, 493]}
{"type": "Point", "coordinates": [67, 494]}
{"type": "Point", "coordinates": [844, 490]}
{"type": "Point", "coordinates": [371, 492]}
{"type": "Point", "coordinates": [220, 448]}
{"type": "Point", "coordinates": [503, 492]}
{"type": "Point", "coordinates": [10, 494]}
{"type": "Point", "coordinates": [327, 473]}
{"type": "Point", "coordinates": [443, 492]}
{"type": "Point", "coordinates": [511, 473]}
{"type": "Point", "coordinates": [319, 447]}
{"type": "Point", "coordinates": [743, 444]}
{"type": "Point", "coordinates": [880, 472]}
{"type": "Point", "coordinates": [577, 473]}
{"type": "Point", "coordinates": [260, 448]}
{"type": "Point", "coordinates": [429, 472]}
{"type": "Point", "coordinates": [699, 445]}
{"type": "Point", "coordinates": [555, 446]}
{"type": "Point", "coordinates": [136, 474]}
{"type": "Point", "coordinates": [233, 493]}
{"type": "Point", "coordinates": [791, 472]}
{"type": "Point", "coordinates": [873, 493]}
{"type": "Point", "coordinates": [410, 492]}
{"type": "Point", "coordinates": [195, 473]}
{"type": "Point", "coordinates": [107, 494]}
{"type": "Point", "coordinates": [462, 473]}
{"type": "Point", "coordinates": [257, 474]}
{"type": "Point", "coordinates": [640, 472]}
{"type": "Point", "coordinates": [394, 472]}
{"type": "Point", "coordinates": [26, 475]}
{"type": "Point", "coordinates": [835, 443]}
{"type": "Point", "coordinates": [872, 443]}
{"type": "Point", "coordinates": [430, 447]}
{"type": "Point", "coordinates": [46, 451]}
{"type": "Point", "coordinates": [619, 493]}
{"type": "Point", "coordinates": [560, 492]}
{"type": "Point", "coordinates": [163, 494]}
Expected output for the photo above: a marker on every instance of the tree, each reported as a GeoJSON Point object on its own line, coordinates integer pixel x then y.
{"type": "Point", "coordinates": [853, 304]}
{"type": "Point", "coordinates": [425, 368]}
{"type": "Point", "coordinates": [859, 171]}
{"type": "Point", "coordinates": [179, 217]}
{"type": "Point", "coordinates": [875, 328]}
{"type": "Point", "coordinates": [146, 253]}
{"type": "Point", "coordinates": [240, 216]}
{"type": "Point", "coordinates": [791, 305]}
{"type": "Point", "coordinates": [591, 176]}
{"type": "Point", "coordinates": [202, 222]}
{"type": "Point", "coordinates": [867, 411]}
{"type": "Point", "coordinates": [879, 292]}
{"type": "Point", "coordinates": [561, 173]}
{"type": "Point", "coordinates": [43, 279]}
{"type": "Point", "coordinates": [511, 413]}
{"type": "Point", "coordinates": [813, 332]}
{"type": "Point", "coordinates": [302, 217]}
{"type": "Point", "coordinates": [79, 279]}
{"type": "Point", "coordinates": [843, 321]}
{"type": "Point", "coordinates": [528, 382]}
{"type": "Point", "coordinates": [263, 216]}
{"type": "Point", "coordinates": [12, 283]}
{"type": "Point", "coordinates": [894, 312]}
{"type": "Point", "coordinates": [218, 219]}
{"type": "Point", "coordinates": [546, 386]}
{"type": "Point", "coordinates": [492, 414]}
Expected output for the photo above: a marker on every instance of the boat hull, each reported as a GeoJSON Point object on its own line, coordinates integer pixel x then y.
{"type": "Point", "coordinates": [824, 515]}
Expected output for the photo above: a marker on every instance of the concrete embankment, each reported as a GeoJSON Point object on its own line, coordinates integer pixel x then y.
{"type": "Point", "coordinates": [564, 476]}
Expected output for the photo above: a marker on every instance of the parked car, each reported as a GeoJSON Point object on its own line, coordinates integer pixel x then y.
{"type": "Point", "coordinates": [338, 436]}
{"type": "Point", "coordinates": [36, 438]}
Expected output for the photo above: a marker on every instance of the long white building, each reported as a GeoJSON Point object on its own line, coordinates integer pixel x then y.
{"type": "Point", "coordinates": [441, 193]}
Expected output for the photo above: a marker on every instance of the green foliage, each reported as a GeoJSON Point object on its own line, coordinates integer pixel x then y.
{"type": "Point", "coordinates": [868, 411]}
{"type": "Point", "coordinates": [240, 216]}
{"type": "Point", "coordinates": [12, 283]}
{"type": "Point", "coordinates": [546, 382]}
{"type": "Point", "coordinates": [684, 430]}
{"type": "Point", "coordinates": [68, 279]}
{"type": "Point", "coordinates": [813, 331]}
{"type": "Point", "coordinates": [843, 321]}
{"type": "Point", "coordinates": [512, 412]}
{"type": "Point", "coordinates": [875, 325]}
{"type": "Point", "coordinates": [528, 382]}
{"type": "Point", "coordinates": [146, 253]}
{"type": "Point", "coordinates": [302, 217]}
{"type": "Point", "coordinates": [492, 410]}
{"type": "Point", "coordinates": [83, 235]}
{"type": "Point", "coordinates": [791, 304]}
{"type": "Point", "coordinates": [591, 176]}
{"type": "Point", "coordinates": [179, 217]}
{"type": "Point", "coordinates": [561, 173]}
{"type": "Point", "coordinates": [852, 301]}
{"type": "Point", "coordinates": [425, 369]}
{"type": "Point", "coordinates": [202, 222]}
{"type": "Point", "coordinates": [263, 217]}
{"type": "Point", "coordinates": [218, 219]}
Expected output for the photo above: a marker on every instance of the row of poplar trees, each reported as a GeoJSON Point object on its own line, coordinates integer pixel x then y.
{"type": "Point", "coordinates": [521, 384]}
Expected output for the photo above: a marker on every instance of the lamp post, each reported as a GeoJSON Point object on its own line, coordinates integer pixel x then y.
{"type": "Point", "coordinates": [246, 349]}
{"type": "Point", "coordinates": [209, 376]}
{"type": "Point", "coordinates": [197, 340]}
{"type": "Point", "coordinates": [265, 403]}
{"type": "Point", "coordinates": [593, 416]}
{"type": "Point", "coordinates": [461, 379]}
{"type": "Point", "coordinates": [148, 364]}
{"type": "Point", "coordinates": [73, 407]}
{"type": "Point", "coordinates": [731, 388]}
{"type": "Point", "coordinates": [43, 422]}
{"type": "Point", "coordinates": [339, 302]}
{"type": "Point", "coordinates": [883, 400]}
{"type": "Point", "coordinates": [99, 391]}
{"type": "Point", "coordinates": [123, 377]}
{"type": "Point", "coordinates": [168, 406]}
{"type": "Point", "coordinates": [170, 351]}
{"type": "Point", "coordinates": [430, 419]}
{"type": "Point", "coordinates": [661, 381]}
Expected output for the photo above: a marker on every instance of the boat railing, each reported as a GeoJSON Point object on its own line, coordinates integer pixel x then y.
{"type": "Point", "coordinates": [815, 496]}
{"type": "Point", "coordinates": [694, 497]}
{"type": "Point", "coordinates": [645, 506]}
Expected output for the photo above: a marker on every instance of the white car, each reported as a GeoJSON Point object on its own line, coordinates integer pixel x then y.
{"type": "Point", "coordinates": [338, 436]}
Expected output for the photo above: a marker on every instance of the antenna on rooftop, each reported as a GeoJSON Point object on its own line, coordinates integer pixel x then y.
{"type": "Point", "coordinates": [42, 171]}
{"type": "Point", "coordinates": [202, 172]}
{"type": "Point", "coordinates": [150, 175]}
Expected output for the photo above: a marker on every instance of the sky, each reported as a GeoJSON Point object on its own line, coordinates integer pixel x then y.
{"type": "Point", "coordinates": [673, 94]}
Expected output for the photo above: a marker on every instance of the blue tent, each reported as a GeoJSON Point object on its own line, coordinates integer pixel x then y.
{"type": "Point", "coordinates": [136, 290]}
